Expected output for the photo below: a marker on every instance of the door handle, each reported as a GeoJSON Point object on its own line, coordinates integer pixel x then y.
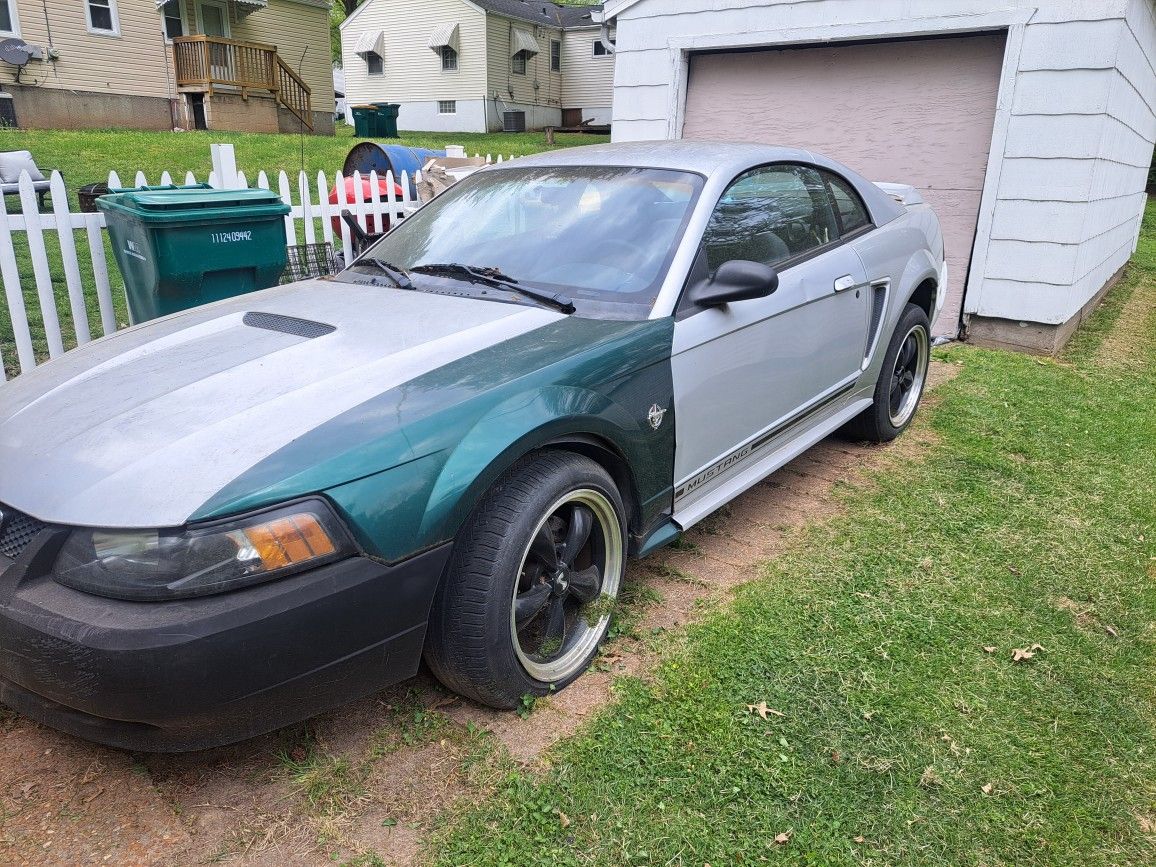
{"type": "Point", "coordinates": [845, 283]}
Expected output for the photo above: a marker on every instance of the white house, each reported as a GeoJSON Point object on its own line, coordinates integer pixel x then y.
{"type": "Point", "coordinates": [1029, 124]}
{"type": "Point", "coordinates": [465, 65]}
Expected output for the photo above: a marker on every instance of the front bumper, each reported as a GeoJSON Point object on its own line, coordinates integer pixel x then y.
{"type": "Point", "coordinates": [191, 674]}
{"type": "Point", "coordinates": [941, 295]}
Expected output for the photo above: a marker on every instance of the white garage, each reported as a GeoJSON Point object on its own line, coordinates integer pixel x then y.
{"type": "Point", "coordinates": [919, 112]}
{"type": "Point", "coordinates": [1029, 124]}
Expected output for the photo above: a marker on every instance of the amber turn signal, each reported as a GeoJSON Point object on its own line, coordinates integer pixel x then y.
{"type": "Point", "coordinates": [289, 541]}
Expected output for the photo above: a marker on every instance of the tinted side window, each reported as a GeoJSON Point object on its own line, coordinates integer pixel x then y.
{"type": "Point", "coordinates": [852, 211]}
{"type": "Point", "coordinates": [770, 215]}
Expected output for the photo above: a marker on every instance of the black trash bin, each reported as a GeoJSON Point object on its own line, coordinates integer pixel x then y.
{"type": "Point", "coordinates": [387, 119]}
{"type": "Point", "coordinates": [88, 194]}
{"type": "Point", "coordinates": [365, 122]}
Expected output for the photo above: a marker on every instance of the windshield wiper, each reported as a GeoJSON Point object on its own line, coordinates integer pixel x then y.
{"type": "Point", "coordinates": [397, 275]}
{"type": "Point", "coordinates": [496, 279]}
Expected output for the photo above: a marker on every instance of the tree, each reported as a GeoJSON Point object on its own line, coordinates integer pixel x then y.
{"type": "Point", "coordinates": [337, 14]}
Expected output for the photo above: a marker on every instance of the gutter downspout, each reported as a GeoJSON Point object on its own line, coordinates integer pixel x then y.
{"type": "Point", "coordinates": [604, 34]}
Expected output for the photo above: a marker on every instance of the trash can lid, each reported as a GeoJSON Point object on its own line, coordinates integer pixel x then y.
{"type": "Point", "coordinates": [193, 202]}
{"type": "Point", "coordinates": [179, 200]}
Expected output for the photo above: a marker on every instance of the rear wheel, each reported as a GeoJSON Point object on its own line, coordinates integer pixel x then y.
{"type": "Point", "coordinates": [526, 601]}
{"type": "Point", "coordinates": [901, 380]}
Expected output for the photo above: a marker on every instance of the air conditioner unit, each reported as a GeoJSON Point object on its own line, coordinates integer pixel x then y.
{"type": "Point", "coordinates": [513, 121]}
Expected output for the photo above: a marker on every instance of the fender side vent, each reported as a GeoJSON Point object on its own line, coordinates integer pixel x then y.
{"type": "Point", "coordinates": [288, 325]}
{"type": "Point", "coordinates": [878, 303]}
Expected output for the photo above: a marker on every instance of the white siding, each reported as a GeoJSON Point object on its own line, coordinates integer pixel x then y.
{"type": "Point", "coordinates": [1073, 136]}
{"type": "Point", "coordinates": [139, 63]}
{"type": "Point", "coordinates": [542, 104]}
{"type": "Point", "coordinates": [425, 115]}
{"type": "Point", "coordinates": [484, 84]}
{"type": "Point", "coordinates": [136, 62]}
{"type": "Point", "coordinates": [413, 71]}
{"type": "Point", "coordinates": [1077, 153]}
{"type": "Point", "coordinates": [300, 32]}
{"type": "Point", "coordinates": [587, 81]}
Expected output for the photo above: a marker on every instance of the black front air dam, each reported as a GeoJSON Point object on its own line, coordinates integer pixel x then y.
{"type": "Point", "coordinates": [191, 674]}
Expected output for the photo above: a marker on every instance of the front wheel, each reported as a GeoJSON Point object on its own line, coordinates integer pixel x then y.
{"type": "Point", "coordinates": [526, 600]}
{"type": "Point", "coordinates": [901, 380]}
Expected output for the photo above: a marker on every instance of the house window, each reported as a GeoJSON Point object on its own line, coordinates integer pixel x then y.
{"type": "Point", "coordinates": [518, 62]}
{"type": "Point", "coordinates": [9, 23]}
{"type": "Point", "coordinates": [555, 55]}
{"type": "Point", "coordinates": [174, 24]}
{"type": "Point", "coordinates": [102, 17]}
{"type": "Point", "coordinates": [600, 49]}
{"type": "Point", "coordinates": [374, 65]}
{"type": "Point", "coordinates": [447, 106]}
{"type": "Point", "coordinates": [449, 59]}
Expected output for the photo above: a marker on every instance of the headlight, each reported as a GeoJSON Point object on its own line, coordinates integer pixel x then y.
{"type": "Point", "coordinates": [195, 561]}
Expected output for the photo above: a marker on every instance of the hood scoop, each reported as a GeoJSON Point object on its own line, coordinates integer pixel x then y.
{"type": "Point", "coordinates": [288, 324]}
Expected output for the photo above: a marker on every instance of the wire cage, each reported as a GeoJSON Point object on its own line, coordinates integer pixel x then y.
{"type": "Point", "coordinates": [309, 260]}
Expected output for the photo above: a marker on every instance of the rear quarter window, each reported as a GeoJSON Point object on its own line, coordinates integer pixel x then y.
{"type": "Point", "coordinates": [852, 212]}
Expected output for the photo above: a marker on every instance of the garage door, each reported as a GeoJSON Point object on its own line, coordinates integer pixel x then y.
{"type": "Point", "coordinates": [918, 112]}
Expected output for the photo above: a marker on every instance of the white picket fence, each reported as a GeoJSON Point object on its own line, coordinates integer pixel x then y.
{"type": "Point", "coordinates": [308, 222]}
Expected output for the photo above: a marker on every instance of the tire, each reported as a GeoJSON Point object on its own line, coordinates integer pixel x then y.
{"type": "Point", "coordinates": [900, 386]}
{"type": "Point", "coordinates": [494, 633]}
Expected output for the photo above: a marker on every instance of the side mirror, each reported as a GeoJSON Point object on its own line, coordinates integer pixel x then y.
{"type": "Point", "coordinates": [737, 280]}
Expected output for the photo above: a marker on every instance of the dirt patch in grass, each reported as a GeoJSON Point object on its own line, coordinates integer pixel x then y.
{"type": "Point", "coordinates": [1129, 343]}
{"type": "Point", "coordinates": [64, 801]}
{"type": "Point", "coordinates": [363, 785]}
{"type": "Point", "coordinates": [1085, 617]}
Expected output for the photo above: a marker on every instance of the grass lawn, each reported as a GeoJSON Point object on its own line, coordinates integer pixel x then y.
{"type": "Point", "coordinates": [910, 735]}
{"type": "Point", "coordinates": [87, 156]}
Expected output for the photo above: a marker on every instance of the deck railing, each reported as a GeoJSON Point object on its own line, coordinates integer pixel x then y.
{"type": "Point", "coordinates": [293, 92]}
{"type": "Point", "coordinates": [210, 61]}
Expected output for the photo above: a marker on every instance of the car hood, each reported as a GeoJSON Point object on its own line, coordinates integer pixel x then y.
{"type": "Point", "coordinates": [140, 428]}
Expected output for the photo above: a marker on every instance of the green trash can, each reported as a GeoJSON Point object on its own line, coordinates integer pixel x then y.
{"type": "Point", "coordinates": [365, 121]}
{"type": "Point", "coordinates": [387, 119]}
{"type": "Point", "coordinates": [180, 247]}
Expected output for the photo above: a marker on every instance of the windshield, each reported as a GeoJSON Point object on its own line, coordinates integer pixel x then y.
{"type": "Point", "coordinates": [601, 236]}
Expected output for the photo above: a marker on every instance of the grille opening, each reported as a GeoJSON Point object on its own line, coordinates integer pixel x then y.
{"type": "Point", "coordinates": [17, 531]}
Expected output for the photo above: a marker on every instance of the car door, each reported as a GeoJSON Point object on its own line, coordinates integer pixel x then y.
{"type": "Point", "coordinates": [746, 371]}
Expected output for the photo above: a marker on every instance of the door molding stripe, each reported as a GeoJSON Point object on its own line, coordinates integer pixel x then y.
{"type": "Point", "coordinates": [744, 452]}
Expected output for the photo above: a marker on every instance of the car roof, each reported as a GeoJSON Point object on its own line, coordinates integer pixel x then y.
{"type": "Point", "coordinates": [719, 161]}
{"type": "Point", "coordinates": [704, 157]}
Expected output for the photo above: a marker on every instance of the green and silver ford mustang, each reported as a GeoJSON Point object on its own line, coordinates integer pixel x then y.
{"type": "Point", "coordinates": [235, 517]}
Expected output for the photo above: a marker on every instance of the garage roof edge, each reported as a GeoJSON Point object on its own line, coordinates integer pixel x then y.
{"type": "Point", "coordinates": [615, 7]}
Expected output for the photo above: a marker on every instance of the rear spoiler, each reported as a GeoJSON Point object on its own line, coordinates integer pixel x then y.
{"type": "Point", "coordinates": [904, 194]}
